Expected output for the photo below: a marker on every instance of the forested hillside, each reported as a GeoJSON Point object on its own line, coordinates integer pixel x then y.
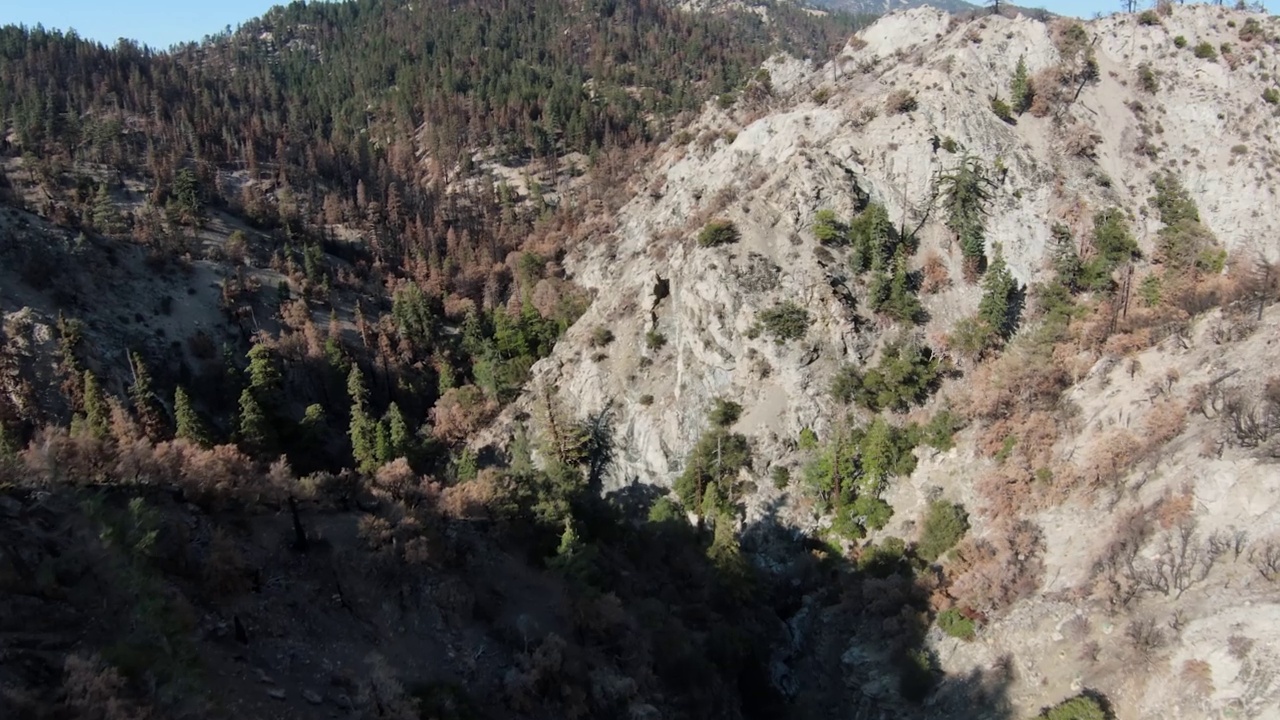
{"type": "Point", "coordinates": [286, 273]}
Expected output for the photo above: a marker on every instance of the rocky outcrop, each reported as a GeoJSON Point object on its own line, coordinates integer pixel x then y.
{"type": "Point", "coordinates": [770, 167]}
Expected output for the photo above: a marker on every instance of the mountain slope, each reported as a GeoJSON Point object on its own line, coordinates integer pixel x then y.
{"type": "Point", "coordinates": [1122, 103]}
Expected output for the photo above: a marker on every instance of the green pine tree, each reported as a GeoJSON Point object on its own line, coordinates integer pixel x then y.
{"type": "Point", "coordinates": [264, 377]}
{"type": "Point", "coordinates": [106, 218]}
{"type": "Point", "coordinates": [902, 304]}
{"type": "Point", "coordinates": [256, 435]}
{"type": "Point", "coordinates": [999, 294]}
{"type": "Point", "coordinates": [965, 192]}
{"type": "Point", "coordinates": [362, 429]}
{"type": "Point", "coordinates": [398, 435]}
{"type": "Point", "coordinates": [97, 414]}
{"type": "Point", "coordinates": [1020, 88]}
{"type": "Point", "coordinates": [145, 406]}
{"type": "Point", "coordinates": [189, 425]}
{"type": "Point", "coordinates": [381, 444]}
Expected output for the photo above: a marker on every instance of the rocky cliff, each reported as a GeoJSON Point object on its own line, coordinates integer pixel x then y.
{"type": "Point", "coordinates": [1123, 99]}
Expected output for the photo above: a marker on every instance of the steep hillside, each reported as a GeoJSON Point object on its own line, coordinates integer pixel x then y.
{"type": "Point", "coordinates": [1119, 102]}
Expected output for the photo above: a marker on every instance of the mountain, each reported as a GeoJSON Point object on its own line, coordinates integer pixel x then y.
{"type": "Point", "coordinates": [608, 359]}
{"type": "Point", "coordinates": [884, 7]}
{"type": "Point", "coordinates": [1082, 432]}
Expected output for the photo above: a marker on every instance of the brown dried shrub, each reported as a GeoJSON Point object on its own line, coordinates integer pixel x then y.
{"type": "Point", "coordinates": [96, 691]}
{"type": "Point", "coordinates": [934, 275]}
{"type": "Point", "coordinates": [1196, 678]}
{"type": "Point", "coordinates": [1079, 140]}
{"type": "Point", "coordinates": [460, 412]}
{"type": "Point", "coordinates": [1051, 92]}
{"type": "Point", "coordinates": [992, 573]}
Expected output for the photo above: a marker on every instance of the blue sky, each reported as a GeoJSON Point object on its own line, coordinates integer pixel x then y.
{"type": "Point", "coordinates": [161, 23]}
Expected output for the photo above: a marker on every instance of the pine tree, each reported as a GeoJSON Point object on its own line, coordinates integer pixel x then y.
{"type": "Point", "coordinates": [398, 435]}
{"type": "Point", "coordinates": [8, 447]}
{"type": "Point", "coordinates": [999, 294]}
{"type": "Point", "coordinates": [902, 304]}
{"type": "Point", "coordinates": [264, 376]}
{"type": "Point", "coordinates": [189, 425]}
{"type": "Point", "coordinates": [381, 444]}
{"type": "Point", "coordinates": [256, 435]}
{"type": "Point", "coordinates": [1020, 88]}
{"type": "Point", "coordinates": [145, 406]}
{"type": "Point", "coordinates": [106, 219]}
{"type": "Point", "coordinates": [965, 192]}
{"type": "Point", "coordinates": [362, 428]}
{"type": "Point", "coordinates": [97, 414]}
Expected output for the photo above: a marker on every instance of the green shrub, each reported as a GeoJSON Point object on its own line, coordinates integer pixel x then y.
{"type": "Point", "coordinates": [808, 439]}
{"type": "Point", "coordinates": [917, 674]}
{"type": "Point", "coordinates": [1225, 48]}
{"type": "Point", "coordinates": [1251, 29]}
{"type": "Point", "coordinates": [821, 95]}
{"type": "Point", "coordinates": [601, 336]}
{"type": "Point", "coordinates": [1006, 448]}
{"type": "Point", "coordinates": [654, 340]}
{"type": "Point", "coordinates": [949, 144]}
{"type": "Point", "coordinates": [1205, 51]}
{"type": "Point", "coordinates": [871, 512]}
{"type": "Point", "coordinates": [726, 100]}
{"type": "Point", "coordinates": [953, 623]}
{"type": "Point", "coordinates": [784, 321]}
{"type": "Point", "coordinates": [1080, 707]}
{"type": "Point", "coordinates": [1271, 96]}
{"type": "Point", "coordinates": [724, 413]}
{"type": "Point", "coordinates": [1002, 109]}
{"type": "Point", "coordinates": [885, 559]}
{"type": "Point", "coordinates": [1147, 78]}
{"type": "Point", "coordinates": [1150, 290]}
{"type": "Point", "coordinates": [940, 432]}
{"type": "Point", "coordinates": [665, 510]}
{"type": "Point", "coordinates": [828, 229]}
{"type": "Point", "coordinates": [646, 400]}
{"type": "Point", "coordinates": [944, 524]}
{"type": "Point", "coordinates": [781, 476]}
{"type": "Point", "coordinates": [1180, 42]}
{"type": "Point", "coordinates": [718, 232]}
{"type": "Point", "coordinates": [906, 375]}
{"type": "Point", "coordinates": [1113, 243]}
{"type": "Point", "coordinates": [1148, 17]}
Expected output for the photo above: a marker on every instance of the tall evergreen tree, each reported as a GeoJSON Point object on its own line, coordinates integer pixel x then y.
{"type": "Point", "coordinates": [965, 191]}
{"type": "Point", "coordinates": [362, 429]}
{"type": "Point", "coordinates": [398, 435]}
{"type": "Point", "coordinates": [145, 406]}
{"type": "Point", "coordinates": [97, 414]}
{"type": "Point", "coordinates": [189, 425]}
{"type": "Point", "coordinates": [998, 308]}
{"type": "Point", "coordinates": [1020, 88]}
{"type": "Point", "coordinates": [106, 218]}
{"type": "Point", "coordinates": [256, 434]}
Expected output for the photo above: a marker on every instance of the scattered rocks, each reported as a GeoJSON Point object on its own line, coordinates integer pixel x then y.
{"type": "Point", "coordinates": [277, 693]}
{"type": "Point", "coordinates": [312, 697]}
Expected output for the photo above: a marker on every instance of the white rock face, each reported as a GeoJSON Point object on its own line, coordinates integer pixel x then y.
{"type": "Point", "coordinates": [772, 174]}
